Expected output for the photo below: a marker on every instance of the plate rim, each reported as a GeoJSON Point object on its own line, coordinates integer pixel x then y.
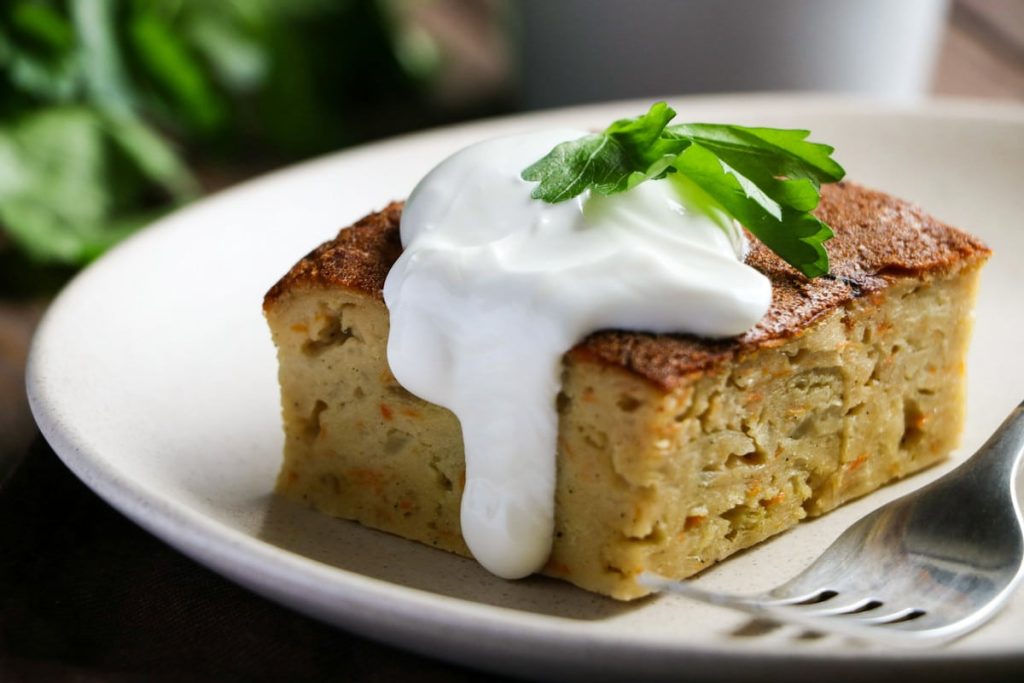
{"type": "Point", "coordinates": [280, 574]}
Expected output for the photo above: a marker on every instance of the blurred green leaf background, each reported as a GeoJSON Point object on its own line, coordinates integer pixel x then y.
{"type": "Point", "coordinates": [113, 112]}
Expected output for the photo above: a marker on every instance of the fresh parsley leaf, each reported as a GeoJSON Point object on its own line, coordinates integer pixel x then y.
{"type": "Point", "coordinates": [788, 168]}
{"type": "Point", "coordinates": [796, 236]}
{"type": "Point", "coordinates": [594, 162]}
{"type": "Point", "coordinates": [767, 179]}
{"type": "Point", "coordinates": [628, 152]}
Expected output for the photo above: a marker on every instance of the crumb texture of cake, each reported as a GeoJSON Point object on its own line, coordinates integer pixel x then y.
{"type": "Point", "coordinates": [673, 452]}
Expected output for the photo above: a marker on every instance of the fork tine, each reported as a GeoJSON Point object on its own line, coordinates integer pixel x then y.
{"type": "Point", "coordinates": [753, 604]}
{"type": "Point", "coordinates": [807, 597]}
{"type": "Point", "coordinates": [841, 605]}
{"type": "Point", "coordinates": [891, 616]}
{"type": "Point", "coordinates": [887, 626]}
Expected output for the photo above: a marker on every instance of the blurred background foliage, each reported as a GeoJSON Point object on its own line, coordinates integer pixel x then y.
{"type": "Point", "coordinates": [113, 112]}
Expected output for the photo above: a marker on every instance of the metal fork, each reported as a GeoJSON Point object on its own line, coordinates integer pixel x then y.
{"type": "Point", "coordinates": [924, 569]}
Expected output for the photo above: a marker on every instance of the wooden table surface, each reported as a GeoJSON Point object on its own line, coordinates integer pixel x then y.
{"type": "Point", "coordinates": [982, 56]}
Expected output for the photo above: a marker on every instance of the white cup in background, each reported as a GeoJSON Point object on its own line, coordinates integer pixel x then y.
{"type": "Point", "coordinates": [590, 50]}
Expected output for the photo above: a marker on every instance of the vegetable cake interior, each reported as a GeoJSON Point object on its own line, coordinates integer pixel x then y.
{"type": "Point", "coordinates": [669, 477]}
{"type": "Point", "coordinates": [648, 479]}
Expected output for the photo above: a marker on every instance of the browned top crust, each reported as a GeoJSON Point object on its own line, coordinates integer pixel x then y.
{"type": "Point", "coordinates": [878, 239]}
{"type": "Point", "coordinates": [358, 258]}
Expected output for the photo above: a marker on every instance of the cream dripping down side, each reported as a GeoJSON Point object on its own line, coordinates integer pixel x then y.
{"type": "Point", "coordinates": [493, 288]}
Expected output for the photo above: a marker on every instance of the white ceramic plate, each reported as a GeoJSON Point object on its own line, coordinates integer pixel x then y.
{"type": "Point", "coordinates": [154, 378]}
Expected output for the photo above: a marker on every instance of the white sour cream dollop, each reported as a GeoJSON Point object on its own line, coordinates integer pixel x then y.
{"type": "Point", "coordinates": [493, 288]}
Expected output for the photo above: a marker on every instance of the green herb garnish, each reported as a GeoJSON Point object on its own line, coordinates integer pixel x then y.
{"type": "Point", "coordinates": [768, 179]}
{"type": "Point", "coordinates": [112, 110]}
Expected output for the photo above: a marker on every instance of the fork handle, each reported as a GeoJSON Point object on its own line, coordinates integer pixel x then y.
{"type": "Point", "coordinates": [999, 459]}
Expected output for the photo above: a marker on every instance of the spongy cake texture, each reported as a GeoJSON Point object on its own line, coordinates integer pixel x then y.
{"type": "Point", "coordinates": [674, 452]}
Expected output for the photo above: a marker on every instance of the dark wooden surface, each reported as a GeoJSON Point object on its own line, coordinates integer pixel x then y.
{"type": "Point", "coordinates": [982, 56]}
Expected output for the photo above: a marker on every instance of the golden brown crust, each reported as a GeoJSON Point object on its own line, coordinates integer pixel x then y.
{"type": "Point", "coordinates": [358, 258]}
{"type": "Point", "coordinates": [878, 238]}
